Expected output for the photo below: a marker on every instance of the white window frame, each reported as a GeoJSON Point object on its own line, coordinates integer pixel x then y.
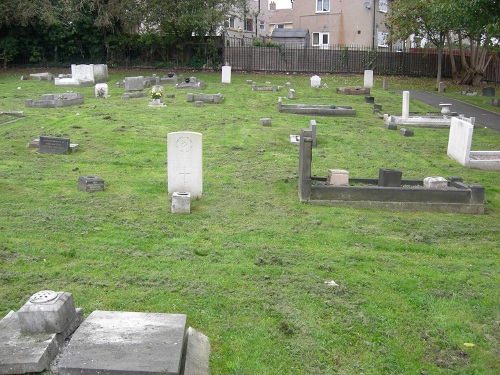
{"type": "Point", "coordinates": [382, 6]}
{"type": "Point", "coordinates": [262, 25]}
{"type": "Point", "coordinates": [230, 22]}
{"type": "Point", "coordinates": [382, 39]}
{"type": "Point", "coordinates": [322, 6]}
{"type": "Point", "coordinates": [320, 43]}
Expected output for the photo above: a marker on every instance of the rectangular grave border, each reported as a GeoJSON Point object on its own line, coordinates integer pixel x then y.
{"type": "Point", "coordinates": [316, 110]}
{"type": "Point", "coordinates": [411, 196]}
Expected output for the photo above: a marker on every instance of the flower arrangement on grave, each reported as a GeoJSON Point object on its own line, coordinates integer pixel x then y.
{"type": "Point", "coordinates": [156, 92]}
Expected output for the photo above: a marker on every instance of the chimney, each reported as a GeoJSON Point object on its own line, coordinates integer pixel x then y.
{"type": "Point", "coordinates": [272, 5]}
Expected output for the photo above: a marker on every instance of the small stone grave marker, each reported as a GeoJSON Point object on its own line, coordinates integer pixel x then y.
{"type": "Point", "coordinates": [368, 79]}
{"type": "Point", "coordinates": [54, 145]}
{"type": "Point", "coordinates": [90, 183]}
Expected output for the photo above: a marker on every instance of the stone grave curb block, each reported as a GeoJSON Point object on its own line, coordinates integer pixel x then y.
{"type": "Point", "coordinates": [197, 353]}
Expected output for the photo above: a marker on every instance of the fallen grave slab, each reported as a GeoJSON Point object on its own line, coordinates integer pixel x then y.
{"type": "Point", "coordinates": [32, 337]}
{"type": "Point", "coordinates": [112, 342]}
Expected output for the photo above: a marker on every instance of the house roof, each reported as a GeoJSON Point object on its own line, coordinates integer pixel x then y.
{"type": "Point", "coordinates": [279, 16]}
{"type": "Point", "coordinates": [290, 33]}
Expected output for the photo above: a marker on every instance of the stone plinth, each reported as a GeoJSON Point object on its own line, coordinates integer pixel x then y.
{"type": "Point", "coordinates": [47, 312]}
{"type": "Point", "coordinates": [389, 177]}
{"type": "Point", "coordinates": [181, 203]}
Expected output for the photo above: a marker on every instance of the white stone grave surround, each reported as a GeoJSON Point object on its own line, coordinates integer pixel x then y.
{"type": "Point", "coordinates": [184, 163]}
{"type": "Point", "coordinates": [368, 79]}
{"type": "Point", "coordinates": [459, 147]}
{"type": "Point", "coordinates": [406, 105]}
{"type": "Point", "coordinates": [226, 74]}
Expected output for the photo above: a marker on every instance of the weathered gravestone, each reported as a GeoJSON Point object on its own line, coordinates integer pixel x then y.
{"type": "Point", "coordinates": [54, 145]}
{"type": "Point", "coordinates": [184, 163]}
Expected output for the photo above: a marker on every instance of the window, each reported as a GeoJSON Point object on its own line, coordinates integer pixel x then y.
{"type": "Point", "coordinates": [249, 24]}
{"type": "Point", "coordinates": [261, 25]}
{"type": "Point", "coordinates": [322, 5]}
{"type": "Point", "coordinates": [230, 22]}
{"type": "Point", "coordinates": [382, 6]}
{"type": "Point", "coordinates": [320, 40]}
{"type": "Point", "coordinates": [382, 39]}
{"type": "Point", "coordinates": [279, 26]}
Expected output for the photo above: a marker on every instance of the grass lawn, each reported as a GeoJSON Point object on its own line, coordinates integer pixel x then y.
{"type": "Point", "coordinates": [248, 266]}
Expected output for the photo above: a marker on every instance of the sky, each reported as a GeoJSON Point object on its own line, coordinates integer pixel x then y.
{"type": "Point", "coordinates": [282, 4]}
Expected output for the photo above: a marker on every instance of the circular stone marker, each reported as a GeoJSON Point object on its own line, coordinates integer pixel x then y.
{"type": "Point", "coordinates": [43, 296]}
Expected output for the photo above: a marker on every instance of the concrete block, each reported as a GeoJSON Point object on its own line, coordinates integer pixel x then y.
{"type": "Point", "coordinates": [339, 177]}
{"type": "Point", "coordinates": [181, 203]}
{"type": "Point", "coordinates": [47, 312]}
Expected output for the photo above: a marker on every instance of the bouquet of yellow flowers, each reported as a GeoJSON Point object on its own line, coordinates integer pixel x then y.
{"type": "Point", "coordinates": [156, 92]}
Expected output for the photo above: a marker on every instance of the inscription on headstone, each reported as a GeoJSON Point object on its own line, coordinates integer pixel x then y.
{"type": "Point", "coordinates": [54, 145]}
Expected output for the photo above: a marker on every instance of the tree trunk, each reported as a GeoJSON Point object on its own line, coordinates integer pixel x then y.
{"type": "Point", "coordinates": [452, 57]}
{"type": "Point", "coordinates": [440, 63]}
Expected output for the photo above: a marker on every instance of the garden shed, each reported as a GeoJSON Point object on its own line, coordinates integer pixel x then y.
{"type": "Point", "coordinates": [291, 36]}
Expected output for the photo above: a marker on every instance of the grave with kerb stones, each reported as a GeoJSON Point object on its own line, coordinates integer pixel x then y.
{"type": "Point", "coordinates": [184, 163]}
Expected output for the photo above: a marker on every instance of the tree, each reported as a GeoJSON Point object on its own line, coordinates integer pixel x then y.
{"type": "Point", "coordinates": [477, 22]}
{"type": "Point", "coordinates": [472, 22]}
{"type": "Point", "coordinates": [430, 19]}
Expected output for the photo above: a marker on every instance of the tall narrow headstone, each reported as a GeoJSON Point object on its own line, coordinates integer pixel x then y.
{"type": "Point", "coordinates": [368, 81]}
{"type": "Point", "coordinates": [386, 84]}
{"type": "Point", "coordinates": [184, 163]}
{"type": "Point", "coordinates": [406, 104]}
{"type": "Point", "coordinates": [226, 74]}
{"type": "Point", "coordinates": [441, 87]}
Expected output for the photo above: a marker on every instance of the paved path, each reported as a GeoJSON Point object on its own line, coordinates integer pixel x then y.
{"type": "Point", "coordinates": [483, 116]}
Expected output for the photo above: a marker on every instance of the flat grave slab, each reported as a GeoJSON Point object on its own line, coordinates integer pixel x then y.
{"type": "Point", "coordinates": [19, 353]}
{"type": "Point", "coordinates": [121, 343]}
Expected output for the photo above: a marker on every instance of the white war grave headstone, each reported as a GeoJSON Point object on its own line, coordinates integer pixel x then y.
{"type": "Point", "coordinates": [226, 74]}
{"type": "Point", "coordinates": [184, 163]}
{"type": "Point", "coordinates": [368, 79]}
{"type": "Point", "coordinates": [406, 104]}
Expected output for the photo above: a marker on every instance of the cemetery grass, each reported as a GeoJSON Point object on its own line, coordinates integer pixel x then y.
{"type": "Point", "coordinates": [418, 293]}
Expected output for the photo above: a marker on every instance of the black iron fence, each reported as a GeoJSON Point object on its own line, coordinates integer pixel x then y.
{"type": "Point", "coordinates": [341, 59]}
